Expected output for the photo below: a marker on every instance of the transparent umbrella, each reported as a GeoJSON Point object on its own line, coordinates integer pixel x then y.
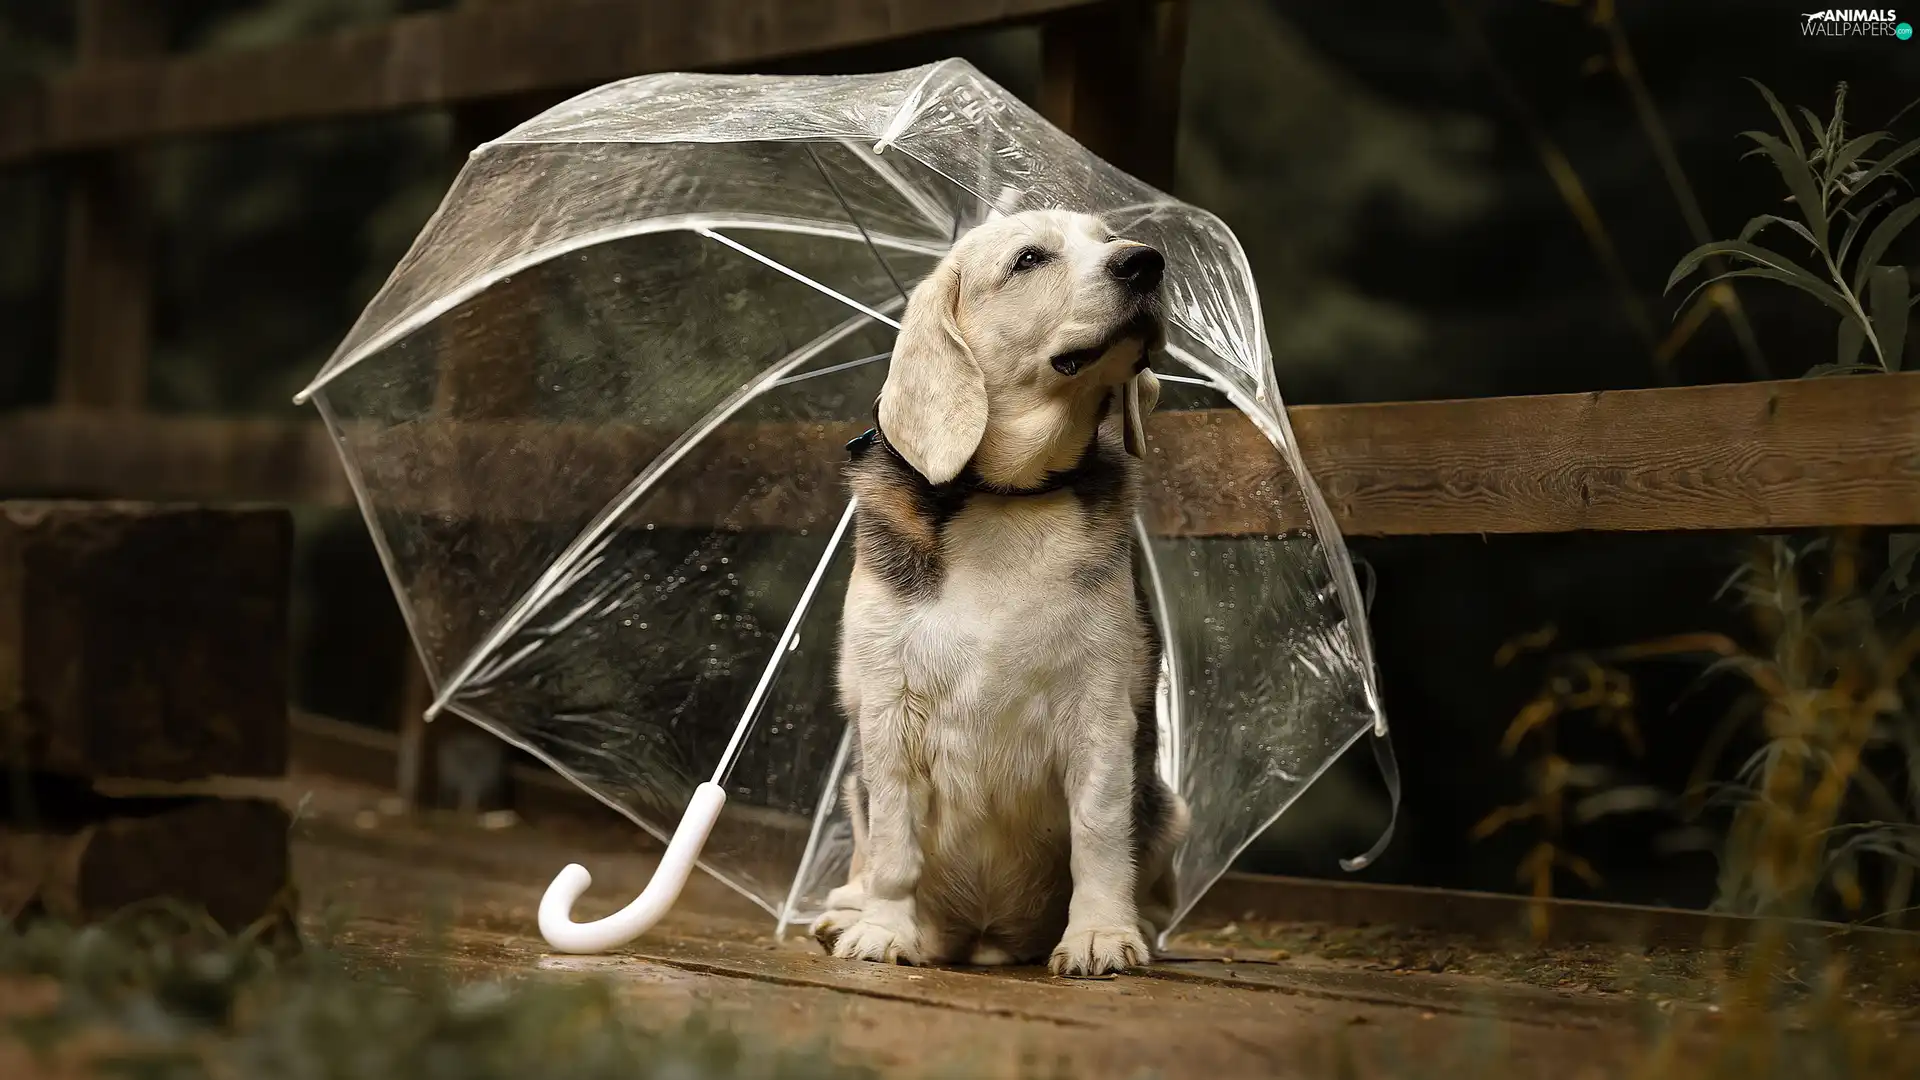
{"type": "Point", "coordinates": [595, 420]}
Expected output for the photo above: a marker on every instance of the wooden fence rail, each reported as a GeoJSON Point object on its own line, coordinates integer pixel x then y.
{"type": "Point", "coordinates": [492, 50]}
{"type": "Point", "coordinates": [1750, 456]}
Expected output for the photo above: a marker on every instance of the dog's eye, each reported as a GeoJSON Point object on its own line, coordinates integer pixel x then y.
{"type": "Point", "coordinates": [1028, 259]}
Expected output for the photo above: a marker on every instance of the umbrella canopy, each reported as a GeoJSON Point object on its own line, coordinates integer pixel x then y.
{"type": "Point", "coordinates": [596, 416]}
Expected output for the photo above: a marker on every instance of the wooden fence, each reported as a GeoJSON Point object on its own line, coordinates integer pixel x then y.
{"type": "Point", "coordinates": [1745, 456]}
{"type": "Point", "coordinates": [1737, 457]}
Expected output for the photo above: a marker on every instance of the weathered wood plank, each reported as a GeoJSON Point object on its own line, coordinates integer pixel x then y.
{"type": "Point", "coordinates": [1756, 456]}
{"type": "Point", "coordinates": [1500, 917]}
{"type": "Point", "coordinates": [97, 454]}
{"type": "Point", "coordinates": [230, 857]}
{"type": "Point", "coordinates": [1110, 77]}
{"type": "Point", "coordinates": [362, 756]}
{"type": "Point", "coordinates": [464, 55]}
{"type": "Point", "coordinates": [107, 309]}
{"type": "Point", "coordinates": [747, 476]}
{"type": "Point", "coordinates": [144, 642]}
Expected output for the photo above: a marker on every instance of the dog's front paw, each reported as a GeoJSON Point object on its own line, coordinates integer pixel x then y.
{"type": "Point", "coordinates": [1098, 950]}
{"type": "Point", "coordinates": [884, 932]}
{"type": "Point", "coordinates": [844, 905]}
{"type": "Point", "coordinates": [828, 928]}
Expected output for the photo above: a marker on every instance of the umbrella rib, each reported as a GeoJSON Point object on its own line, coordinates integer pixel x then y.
{"type": "Point", "coordinates": [929, 208]}
{"type": "Point", "coordinates": [819, 287]}
{"type": "Point", "coordinates": [780, 648]}
{"type": "Point", "coordinates": [827, 796]}
{"type": "Point", "coordinates": [401, 326]}
{"type": "Point", "coordinates": [833, 370]}
{"type": "Point", "coordinates": [561, 574]}
{"type": "Point", "coordinates": [1163, 616]}
{"type": "Point", "coordinates": [844, 205]}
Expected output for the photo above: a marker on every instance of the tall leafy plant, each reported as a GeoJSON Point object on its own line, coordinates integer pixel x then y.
{"type": "Point", "coordinates": [1850, 205]}
{"type": "Point", "coordinates": [1834, 695]}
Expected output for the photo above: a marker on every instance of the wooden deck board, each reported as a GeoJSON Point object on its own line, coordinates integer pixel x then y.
{"type": "Point", "coordinates": [1194, 1014]}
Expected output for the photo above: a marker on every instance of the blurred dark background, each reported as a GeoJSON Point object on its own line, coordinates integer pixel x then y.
{"type": "Point", "coordinates": [1383, 165]}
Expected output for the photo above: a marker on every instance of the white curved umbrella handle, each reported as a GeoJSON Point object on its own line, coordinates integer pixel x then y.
{"type": "Point", "coordinates": [556, 907]}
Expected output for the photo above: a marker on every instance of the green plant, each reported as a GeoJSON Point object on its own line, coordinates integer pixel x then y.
{"type": "Point", "coordinates": [1822, 815]}
{"type": "Point", "coordinates": [1830, 688]}
{"type": "Point", "coordinates": [1838, 186]}
{"type": "Point", "coordinates": [1575, 684]}
{"type": "Point", "coordinates": [1831, 697]}
{"type": "Point", "coordinates": [161, 992]}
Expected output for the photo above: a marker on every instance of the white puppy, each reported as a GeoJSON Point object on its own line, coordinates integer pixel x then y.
{"type": "Point", "coordinates": [996, 656]}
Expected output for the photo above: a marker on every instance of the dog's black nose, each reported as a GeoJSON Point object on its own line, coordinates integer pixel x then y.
{"type": "Point", "coordinates": [1139, 267]}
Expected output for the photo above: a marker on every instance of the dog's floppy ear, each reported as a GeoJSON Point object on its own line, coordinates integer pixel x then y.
{"type": "Point", "coordinates": [1138, 397]}
{"type": "Point", "coordinates": [933, 407]}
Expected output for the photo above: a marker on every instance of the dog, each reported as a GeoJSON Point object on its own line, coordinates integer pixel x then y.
{"type": "Point", "coordinates": [996, 657]}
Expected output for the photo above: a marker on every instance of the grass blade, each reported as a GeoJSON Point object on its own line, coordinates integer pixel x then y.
{"type": "Point", "coordinates": [1818, 131]}
{"type": "Point", "coordinates": [1888, 164]}
{"type": "Point", "coordinates": [1846, 357]}
{"type": "Point", "coordinates": [1882, 238]}
{"type": "Point", "coordinates": [1784, 269]}
{"type": "Point", "coordinates": [1780, 114]}
{"type": "Point", "coordinates": [1741, 250]}
{"type": "Point", "coordinates": [1844, 157]}
{"type": "Point", "coordinates": [1800, 182]}
{"type": "Point", "coordinates": [1887, 299]}
{"type": "Point", "coordinates": [1757, 224]}
{"type": "Point", "coordinates": [1823, 293]}
{"type": "Point", "coordinates": [1854, 223]}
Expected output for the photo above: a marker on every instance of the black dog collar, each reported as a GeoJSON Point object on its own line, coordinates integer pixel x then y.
{"type": "Point", "coordinates": [969, 480]}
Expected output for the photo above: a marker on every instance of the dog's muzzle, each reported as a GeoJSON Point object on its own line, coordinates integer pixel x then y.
{"type": "Point", "coordinates": [1139, 270]}
{"type": "Point", "coordinates": [1142, 326]}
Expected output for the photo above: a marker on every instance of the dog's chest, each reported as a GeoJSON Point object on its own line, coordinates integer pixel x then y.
{"type": "Point", "coordinates": [1008, 615]}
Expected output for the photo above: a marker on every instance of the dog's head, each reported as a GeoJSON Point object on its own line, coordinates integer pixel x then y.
{"type": "Point", "coordinates": [1012, 348]}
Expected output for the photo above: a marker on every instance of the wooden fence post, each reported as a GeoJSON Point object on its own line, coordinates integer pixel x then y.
{"type": "Point", "coordinates": [106, 317]}
{"type": "Point", "coordinates": [486, 372]}
{"type": "Point", "coordinates": [1110, 76]}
